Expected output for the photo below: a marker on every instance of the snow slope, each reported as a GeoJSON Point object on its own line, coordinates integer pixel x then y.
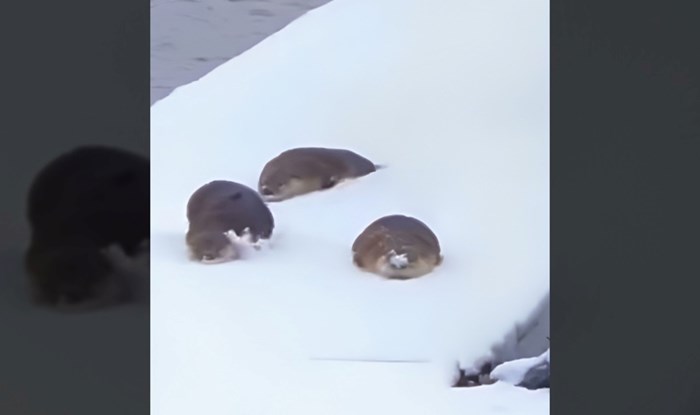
{"type": "Point", "coordinates": [452, 95]}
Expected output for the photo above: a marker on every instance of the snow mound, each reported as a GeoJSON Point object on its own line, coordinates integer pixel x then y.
{"type": "Point", "coordinates": [513, 372]}
{"type": "Point", "coordinates": [452, 96]}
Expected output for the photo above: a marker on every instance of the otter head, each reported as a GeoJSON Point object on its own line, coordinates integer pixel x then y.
{"type": "Point", "coordinates": [212, 248]}
{"type": "Point", "coordinates": [276, 188]}
{"type": "Point", "coordinates": [404, 265]}
{"type": "Point", "coordinates": [279, 186]}
{"type": "Point", "coordinates": [75, 278]}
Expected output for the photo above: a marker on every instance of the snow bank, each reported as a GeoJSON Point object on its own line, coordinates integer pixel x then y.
{"type": "Point", "coordinates": [513, 372]}
{"type": "Point", "coordinates": [452, 96]}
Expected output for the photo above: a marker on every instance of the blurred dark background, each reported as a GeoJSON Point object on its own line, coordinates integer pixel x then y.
{"type": "Point", "coordinates": [74, 73]}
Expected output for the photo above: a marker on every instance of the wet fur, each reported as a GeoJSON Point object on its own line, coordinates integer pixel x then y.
{"type": "Point", "coordinates": [305, 170]}
{"type": "Point", "coordinates": [397, 235]}
{"type": "Point", "coordinates": [81, 203]}
{"type": "Point", "coordinates": [219, 207]}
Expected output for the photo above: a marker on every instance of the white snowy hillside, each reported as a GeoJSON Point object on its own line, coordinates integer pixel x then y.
{"type": "Point", "coordinates": [451, 95]}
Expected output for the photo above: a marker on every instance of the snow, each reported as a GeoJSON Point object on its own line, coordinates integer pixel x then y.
{"type": "Point", "coordinates": [461, 88]}
{"type": "Point", "coordinates": [398, 260]}
{"type": "Point", "coordinates": [514, 371]}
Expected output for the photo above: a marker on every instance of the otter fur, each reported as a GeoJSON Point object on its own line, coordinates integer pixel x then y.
{"type": "Point", "coordinates": [397, 247]}
{"type": "Point", "coordinates": [305, 170]}
{"type": "Point", "coordinates": [219, 208]}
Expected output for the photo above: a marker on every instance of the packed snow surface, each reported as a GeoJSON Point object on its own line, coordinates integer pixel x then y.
{"type": "Point", "coordinates": [451, 96]}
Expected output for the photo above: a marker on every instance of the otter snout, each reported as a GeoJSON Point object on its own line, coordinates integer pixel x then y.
{"type": "Point", "coordinates": [212, 247]}
{"type": "Point", "coordinates": [266, 191]}
{"type": "Point", "coordinates": [225, 254]}
{"type": "Point", "coordinates": [403, 266]}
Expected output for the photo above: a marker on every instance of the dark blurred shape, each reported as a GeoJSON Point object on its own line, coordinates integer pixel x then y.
{"type": "Point", "coordinates": [78, 206]}
{"type": "Point", "coordinates": [76, 75]}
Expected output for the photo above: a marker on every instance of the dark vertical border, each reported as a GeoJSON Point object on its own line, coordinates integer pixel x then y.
{"type": "Point", "coordinates": [625, 167]}
{"type": "Point", "coordinates": [73, 73]}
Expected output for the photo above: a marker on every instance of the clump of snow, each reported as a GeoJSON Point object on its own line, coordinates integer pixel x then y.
{"type": "Point", "coordinates": [461, 87]}
{"type": "Point", "coordinates": [513, 372]}
{"type": "Point", "coordinates": [246, 239]}
{"type": "Point", "coordinates": [399, 261]}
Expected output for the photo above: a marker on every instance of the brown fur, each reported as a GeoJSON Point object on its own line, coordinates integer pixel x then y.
{"type": "Point", "coordinates": [392, 236]}
{"type": "Point", "coordinates": [304, 170]}
{"type": "Point", "coordinates": [219, 207]}
{"type": "Point", "coordinates": [211, 247]}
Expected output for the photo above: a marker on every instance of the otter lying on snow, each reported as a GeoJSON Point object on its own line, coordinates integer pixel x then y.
{"type": "Point", "coordinates": [305, 170]}
{"type": "Point", "coordinates": [397, 247]}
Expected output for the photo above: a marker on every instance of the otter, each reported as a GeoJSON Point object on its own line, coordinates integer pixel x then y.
{"type": "Point", "coordinates": [218, 208]}
{"type": "Point", "coordinates": [305, 170]}
{"type": "Point", "coordinates": [397, 247]}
